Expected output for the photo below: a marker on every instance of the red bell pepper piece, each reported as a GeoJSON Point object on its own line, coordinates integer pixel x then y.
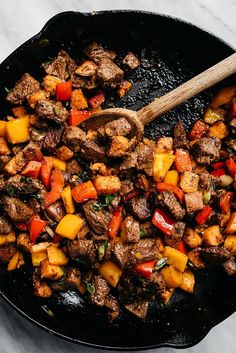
{"type": "Point", "coordinates": [163, 221]}
{"type": "Point", "coordinates": [226, 201]}
{"type": "Point", "coordinates": [32, 169]}
{"type": "Point", "coordinates": [21, 226]}
{"type": "Point", "coordinates": [203, 215]}
{"type": "Point", "coordinates": [145, 268]}
{"type": "Point", "coordinates": [97, 100]}
{"type": "Point", "coordinates": [183, 161]}
{"type": "Point", "coordinates": [115, 223]}
{"type": "Point", "coordinates": [76, 117]}
{"type": "Point", "coordinates": [198, 130]}
{"type": "Point", "coordinates": [132, 194]}
{"type": "Point", "coordinates": [46, 169]}
{"type": "Point", "coordinates": [170, 187]}
{"type": "Point", "coordinates": [231, 166]}
{"type": "Point", "coordinates": [57, 184]}
{"type": "Point", "coordinates": [181, 247]}
{"type": "Point", "coordinates": [63, 91]}
{"type": "Point", "coordinates": [218, 172]}
{"type": "Point", "coordinates": [84, 192]}
{"type": "Point", "coordinates": [218, 165]}
{"type": "Point", "coordinates": [36, 227]}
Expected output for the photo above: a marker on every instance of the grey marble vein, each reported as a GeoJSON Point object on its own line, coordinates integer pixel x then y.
{"type": "Point", "coordinates": [21, 19]}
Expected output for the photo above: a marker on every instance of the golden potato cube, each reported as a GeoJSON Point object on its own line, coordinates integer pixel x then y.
{"type": "Point", "coordinates": [111, 272]}
{"type": "Point", "coordinates": [172, 276]}
{"type": "Point", "coordinates": [8, 238]}
{"type": "Point", "coordinates": [69, 226]}
{"type": "Point", "coordinates": [56, 256]}
{"type": "Point", "coordinates": [189, 182]}
{"type": "Point", "coordinates": [17, 130]}
{"type": "Point", "coordinates": [4, 149]}
{"type": "Point", "coordinates": [35, 97]}
{"type": "Point", "coordinates": [192, 238]}
{"type": "Point", "coordinates": [50, 83]}
{"type": "Point", "coordinates": [212, 236]}
{"type": "Point", "coordinates": [16, 262]}
{"type": "Point", "coordinates": [218, 130]}
{"type": "Point", "coordinates": [176, 258]}
{"type": "Point", "coordinates": [188, 281]}
{"type": "Point", "coordinates": [38, 257]}
{"type": "Point", "coordinates": [78, 99]}
{"type": "Point", "coordinates": [231, 225]}
{"type": "Point", "coordinates": [64, 153]}
{"type": "Point", "coordinates": [49, 271]}
{"type": "Point", "coordinates": [162, 163]}
{"type": "Point", "coordinates": [230, 244]}
{"type": "Point", "coordinates": [211, 115]}
{"type": "Point", "coordinates": [166, 295]}
{"type": "Point", "coordinates": [107, 184]}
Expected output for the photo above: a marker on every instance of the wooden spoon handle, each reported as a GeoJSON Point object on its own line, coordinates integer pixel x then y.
{"type": "Point", "coordinates": [188, 90]}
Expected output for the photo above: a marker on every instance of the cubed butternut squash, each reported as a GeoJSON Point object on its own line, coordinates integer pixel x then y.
{"type": "Point", "coordinates": [188, 281]}
{"type": "Point", "coordinates": [38, 257]}
{"type": "Point", "coordinates": [230, 244]}
{"type": "Point", "coordinates": [231, 225]}
{"type": "Point", "coordinates": [56, 256]}
{"type": "Point", "coordinates": [162, 163]}
{"type": "Point", "coordinates": [78, 99]}
{"type": "Point", "coordinates": [69, 226]}
{"type": "Point", "coordinates": [172, 276]}
{"type": "Point", "coordinates": [49, 271]}
{"type": "Point", "coordinates": [2, 128]}
{"type": "Point", "coordinates": [16, 261]}
{"type": "Point", "coordinates": [189, 182]}
{"type": "Point", "coordinates": [111, 272]}
{"type": "Point", "coordinates": [212, 236]}
{"type": "Point", "coordinates": [176, 258]}
{"type": "Point", "coordinates": [17, 130]}
{"type": "Point", "coordinates": [58, 163]}
{"type": "Point", "coordinates": [219, 130]}
{"type": "Point", "coordinates": [107, 184]}
{"type": "Point", "coordinates": [67, 199]}
{"type": "Point", "coordinates": [172, 177]}
{"type": "Point", "coordinates": [8, 238]}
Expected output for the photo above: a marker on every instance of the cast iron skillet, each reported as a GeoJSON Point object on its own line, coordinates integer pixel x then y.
{"type": "Point", "coordinates": [172, 51]}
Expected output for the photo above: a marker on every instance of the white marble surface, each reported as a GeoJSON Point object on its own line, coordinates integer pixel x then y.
{"type": "Point", "coordinates": [19, 20]}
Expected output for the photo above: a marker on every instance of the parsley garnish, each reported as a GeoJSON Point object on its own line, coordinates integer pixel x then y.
{"type": "Point", "coordinates": [102, 250]}
{"type": "Point", "coordinates": [90, 288]}
{"type": "Point", "coordinates": [44, 42]}
{"type": "Point", "coordinates": [10, 190]}
{"type": "Point", "coordinates": [7, 90]}
{"type": "Point", "coordinates": [100, 204]}
{"type": "Point", "coordinates": [143, 233]}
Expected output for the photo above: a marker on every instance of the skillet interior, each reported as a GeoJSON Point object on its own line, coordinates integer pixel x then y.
{"type": "Point", "coordinates": [172, 52]}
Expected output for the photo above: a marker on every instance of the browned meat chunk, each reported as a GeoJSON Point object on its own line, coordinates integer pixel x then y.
{"type": "Point", "coordinates": [157, 279]}
{"type": "Point", "coordinates": [176, 236]}
{"type": "Point", "coordinates": [24, 242]}
{"type": "Point", "coordinates": [6, 252]}
{"type": "Point", "coordinates": [130, 230]}
{"type": "Point", "coordinates": [73, 137]}
{"type": "Point", "coordinates": [100, 290]}
{"type": "Point", "coordinates": [21, 185]}
{"type": "Point", "coordinates": [26, 86]}
{"type": "Point", "coordinates": [168, 200]}
{"type": "Point", "coordinates": [73, 167]}
{"type": "Point", "coordinates": [208, 181]}
{"type": "Point", "coordinates": [52, 139]}
{"type": "Point", "coordinates": [180, 137]}
{"type": "Point", "coordinates": [194, 201]}
{"type": "Point", "coordinates": [215, 255]}
{"type": "Point", "coordinates": [4, 160]}
{"type": "Point", "coordinates": [91, 151]}
{"type": "Point", "coordinates": [97, 53]}
{"type": "Point", "coordinates": [119, 127]}
{"type": "Point", "coordinates": [206, 150]}
{"type": "Point", "coordinates": [98, 220]}
{"type": "Point", "coordinates": [82, 248]}
{"type": "Point", "coordinates": [73, 278]}
{"type": "Point", "coordinates": [139, 308]}
{"type": "Point", "coordinates": [140, 208]}
{"type": "Point", "coordinates": [5, 225]}
{"type": "Point", "coordinates": [62, 66]}
{"type": "Point", "coordinates": [109, 74]}
{"type": "Point", "coordinates": [87, 68]}
{"type": "Point", "coordinates": [230, 266]}
{"type": "Point", "coordinates": [195, 258]}
{"type": "Point", "coordinates": [120, 252]}
{"type": "Point", "coordinates": [232, 126]}
{"type": "Point", "coordinates": [144, 250]}
{"type": "Point", "coordinates": [41, 289]}
{"type": "Point", "coordinates": [32, 151]}
{"type": "Point", "coordinates": [52, 111]}
{"type": "Point", "coordinates": [2, 182]}
{"type": "Point", "coordinates": [126, 187]}
{"type": "Point", "coordinates": [88, 83]}
{"type": "Point", "coordinates": [55, 211]}
{"type": "Point", "coordinates": [16, 209]}
{"type": "Point", "coordinates": [112, 304]}
{"type": "Point", "coordinates": [131, 61]}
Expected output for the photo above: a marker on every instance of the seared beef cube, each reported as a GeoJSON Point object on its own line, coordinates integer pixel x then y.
{"type": "Point", "coordinates": [26, 86]}
{"type": "Point", "coordinates": [231, 144]}
{"type": "Point", "coordinates": [14, 165]}
{"type": "Point", "coordinates": [140, 208]}
{"type": "Point", "coordinates": [158, 280]}
{"type": "Point", "coordinates": [24, 242]}
{"type": "Point", "coordinates": [130, 230]}
{"type": "Point", "coordinates": [5, 159]}
{"type": "Point", "coordinates": [97, 53]}
{"type": "Point", "coordinates": [73, 278]}
{"type": "Point", "coordinates": [232, 126]}
{"type": "Point", "coordinates": [87, 68]}
{"type": "Point", "coordinates": [195, 258]}
{"type": "Point", "coordinates": [62, 66]}
{"type": "Point", "coordinates": [176, 236]}
{"type": "Point", "coordinates": [215, 255]}
{"type": "Point", "coordinates": [144, 250]}
{"type": "Point", "coordinates": [230, 266]}
{"type": "Point", "coordinates": [138, 308]}
{"type": "Point", "coordinates": [82, 248]}
{"type": "Point", "coordinates": [126, 187]}
{"type": "Point", "coordinates": [73, 137]}
{"type": "Point", "coordinates": [131, 61]}
{"type": "Point", "coordinates": [52, 111]}
{"type": "Point", "coordinates": [32, 152]}
{"type": "Point", "coordinates": [112, 304]}
{"type": "Point", "coordinates": [52, 139]}
{"type": "Point", "coordinates": [120, 252]}
{"type": "Point", "coordinates": [2, 182]}
{"type": "Point", "coordinates": [88, 83]}
{"type": "Point", "coordinates": [168, 200]}
{"type": "Point", "coordinates": [119, 127]}
{"type": "Point", "coordinates": [164, 145]}
{"type": "Point", "coordinates": [16, 209]}
{"type": "Point", "coordinates": [41, 289]}
{"type": "Point", "coordinates": [91, 151]}
{"type": "Point", "coordinates": [208, 181]}
{"type": "Point", "coordinates": [97, 219]}
{"type": "Point", "coordinates": [101, 289]}
{"type": "Point", "coordinates": [72, 167]}
{"type": "Point", "coordinates": [5, 225]}
{"type": "Point", "coordinates": [206, 150]}
{"type": "Point", "coordinates": [7, 251]}
{"type": "Point", "coordinates": [180, 137]}
{"type": "Point", "coordinates": [109, 74]}
{"type": "Point", "coordinates": [55, 211]}
{"type": "Point", "coordinates": [194, 201]}
{"type": "Point", "coordinates": [26, 186]}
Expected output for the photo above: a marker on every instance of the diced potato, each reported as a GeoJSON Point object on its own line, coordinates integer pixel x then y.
{"type": "Point", "coordinates": [50, 83]}
{"type": "Point", "coordinates": [35, 97]}
{"type": "Point", "coordinates": [192, 238]}
{"type": "Point", "coordinates": [119, 146]}
{"type": "Point", "coordinates": [18, 112]}
{"type": "Point", "coordinates": [111, 272]}
{"type": "Point", "coordinates": [99, 168]}
{"type": "Point", "coordinates": [231, 225]}
{"type": "Point", "coordinates": [56, 256]}
{"type": "Point", "coordinates": [176, 258]}
{"type": "Point", "coordinates": [67, 199]}
{"type": "Point", "coordinates": [230, 244]}
{"type": "Point", "coordinates": [69, 226]}
{"type": "Point", "coordinates": [224, 96]}
{"type": "Point", "coordinates": [211, 116]}
{"type": "Point", "coordinates": [172, 276]}
{"type": "Point", "coordinates": [49, 271]}
{"type": "Point", "coordinates": [64, 153]}
{"type": "Point", "coordinates": [2, 128]}
{"type": "Point", "coordinates": [162, 163]}
{"type": "Point", "coordinates": [212, 236]}
{"type": "Point", "coordinates": [188, 281]}
{"type": "Point", "coordinates": [17, 130]}
{"type": "Point", "coordinates": [16, 261]}
{"type": "Point", "coordinates": [107, 184]}
{"type": "Point", "coordinates": [164, 145]}
{"type": "Point", "coordinates": [218, 130]}
{"type": "Point", "coordinates": [195, 259]}
{"type": "Point", "coordinates": [78, 99]}
{"type": "Point", "coordinates": [40, 247]}
{"type": "Point", "coordinates": [58, 163]}
{"type": "Point", "coordinates": [8, 238]}
{"type": "Point", "coordinates": [4, 149]}
{"type": "Point", "coordinates": [38, 257]}
{"type": "Point", "coordinates": [189, 182]}
{"type": "Point", "coordinates": [166, 295]}
{"type": "Point", "coordinates": [172, 177]}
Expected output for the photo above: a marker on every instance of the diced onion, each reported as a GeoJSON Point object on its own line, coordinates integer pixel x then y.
{"type": "Point", "coordinates": [225, 180]}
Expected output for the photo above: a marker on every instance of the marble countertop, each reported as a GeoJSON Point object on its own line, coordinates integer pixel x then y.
{"type": "Point", "coordinates": [21, 19]}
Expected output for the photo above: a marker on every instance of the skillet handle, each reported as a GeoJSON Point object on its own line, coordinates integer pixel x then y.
{"type": "Point", "coordinates": [188, 90]}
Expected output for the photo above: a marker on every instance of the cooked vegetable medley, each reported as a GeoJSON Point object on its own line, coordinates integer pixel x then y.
{"type": "Point", "coordinates": [121, 221]}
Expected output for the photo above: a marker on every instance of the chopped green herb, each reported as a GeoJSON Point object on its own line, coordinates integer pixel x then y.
{"type": "Point", "coordinates": [100, 204]}
{"type": "Point", "coordinates": [90, 288]}
{"type": "Point", "coordinates": [47, 311]}
{"type": "Point", "coordinates": [56, 110]}
{"type": "Point", "coordinates": [10, 190]}
{"type": "Point", "coordinates": [7, 90]}
{"type": "Point", "coordinates": [160, 263]}
{"type": "Point", "coordinates": [102, 251]}
{"type": "Point", "coordinates": [143, 233]}
{"type": "Point", "coordinates": [44, 42]}
{"type": "Point", "coordinates": [206, 197]}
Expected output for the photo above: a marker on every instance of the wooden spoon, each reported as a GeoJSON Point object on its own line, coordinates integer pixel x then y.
{"type": "Point", "coordinates": [163, 104]}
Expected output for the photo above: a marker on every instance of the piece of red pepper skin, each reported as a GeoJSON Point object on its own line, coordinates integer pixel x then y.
{"type": "Point", "coordinates": [203, 215]}
{"type": "Point", "coordinates": [170, 187]}
{"type": "Point", "coordinates": [132, 194]}
{"type": "Point", "coordinates": [36, 227]}
{"type": "Point", "coordinates": [115, 223]}
{"type": "Point", "coordinates": [182, 248]}
{"type": "Point", "coordinates": [231, 166]}
{"type": "Point", "coordinates": [163, 221]}
{"type": "Point", "coordinates": [218, 165]}
{"type": "Point", "coordinates": [218, 172]}
{"type": "Point", "coordinates": [145, 268]}
{"type": "Point", "coordinates": [226, 201]}
{"type": "Point", "coordinates": [63, 91]}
